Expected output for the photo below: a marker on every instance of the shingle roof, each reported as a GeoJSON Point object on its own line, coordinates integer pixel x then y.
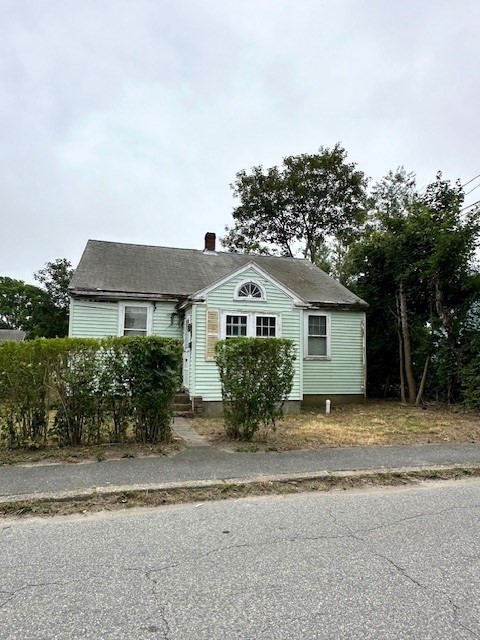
{"type": "Point", "coordinates": [113, 268]}
{"type": "Point", "coordinates": [12, 334]}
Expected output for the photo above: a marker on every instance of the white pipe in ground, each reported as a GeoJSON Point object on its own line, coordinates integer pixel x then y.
{"type": "Point", "coordinates": [327, 406]}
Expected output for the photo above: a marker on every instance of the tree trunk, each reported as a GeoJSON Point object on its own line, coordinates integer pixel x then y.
{"type": "Point", "coordinates": [401, 357]}
{"type": "Point", "coordinates": [407, 349]}
{"type": "Point", "coordinates": [421, 389]}
{"type": "Point", "coordinates": [445, 319]}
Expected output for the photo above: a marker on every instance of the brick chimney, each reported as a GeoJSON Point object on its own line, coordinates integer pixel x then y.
{"type": "Point", "coordinates": [210, 239]}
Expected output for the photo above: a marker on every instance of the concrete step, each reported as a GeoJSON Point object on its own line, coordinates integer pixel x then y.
{"type": "Point", "coordinates": [182, 399]}
{"type": "Point", "coordinates": [182, 414]}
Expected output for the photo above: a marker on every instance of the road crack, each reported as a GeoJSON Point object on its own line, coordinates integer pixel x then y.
{"type": "Point", "coordinates": [161, 607]}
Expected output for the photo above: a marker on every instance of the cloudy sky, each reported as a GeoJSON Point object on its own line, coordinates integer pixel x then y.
{"type": "Point", "coordinates": [127, 120]}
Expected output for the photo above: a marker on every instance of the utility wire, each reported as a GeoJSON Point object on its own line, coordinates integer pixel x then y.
{"type": "Point", "coordinates": [478, 185]}
{"type": "Point", "coordinates": [464, 185]}
{"type": "Point", "coordinates": [470, 206]}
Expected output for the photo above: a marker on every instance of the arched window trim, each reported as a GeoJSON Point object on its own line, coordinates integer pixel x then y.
{"type": "Point", "coordinates": [236, 295]}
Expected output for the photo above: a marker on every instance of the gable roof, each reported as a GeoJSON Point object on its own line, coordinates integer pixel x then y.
{"type": "Point", "coordinates": [111, 269]}
{"type": "Point", "coordinates": [12, 334]}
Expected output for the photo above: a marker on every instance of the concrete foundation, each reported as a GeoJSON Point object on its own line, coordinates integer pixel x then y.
{"type": "Point", "coordinates": [317, 400]}
{"type": "Point", "coordinates": [214, 409]}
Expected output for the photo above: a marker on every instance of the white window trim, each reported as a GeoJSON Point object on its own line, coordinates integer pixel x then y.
{"type": "Point", "coordinates": [243, 299]}
{"type": "Point", "coordinates": [305, 334]}
{"type": "Point", "coordinates": [121, 315]}
{"type": "Point", "coordinates": [251, 322]}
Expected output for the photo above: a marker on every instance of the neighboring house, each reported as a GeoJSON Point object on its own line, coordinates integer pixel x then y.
{"type": "Point", "coordinates": [204, 296]}
{"type": "Point", "coordinates": [12, 334]}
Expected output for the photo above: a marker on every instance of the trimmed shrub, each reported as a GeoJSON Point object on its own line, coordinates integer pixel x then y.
{"type": "Point", "coordinates": [256, 376]}
{"type": "Point", "coordinates": [96, 387]}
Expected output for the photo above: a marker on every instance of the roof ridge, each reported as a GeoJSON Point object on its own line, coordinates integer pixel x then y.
{"type": "Point", "coordinates": [237, 253]}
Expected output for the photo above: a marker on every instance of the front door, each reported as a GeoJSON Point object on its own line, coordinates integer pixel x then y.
{"type": "Point", "coordinates": [187, 350]}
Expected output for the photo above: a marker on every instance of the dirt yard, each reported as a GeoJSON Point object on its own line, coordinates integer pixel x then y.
{"type": "Point", "coordinates": [375, 423]}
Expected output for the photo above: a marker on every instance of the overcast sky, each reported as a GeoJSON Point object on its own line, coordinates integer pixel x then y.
{"type": "Point", "coordinates": [127, 120]}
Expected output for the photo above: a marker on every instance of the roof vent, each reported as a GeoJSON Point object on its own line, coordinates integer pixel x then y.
{"type": "Point", "coordinates": [210, 240]}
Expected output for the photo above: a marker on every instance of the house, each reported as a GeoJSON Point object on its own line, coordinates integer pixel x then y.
{"type": "Point", "coordinates": [12, 334]}
{"type": "Point", "coordinates": [202, 296]}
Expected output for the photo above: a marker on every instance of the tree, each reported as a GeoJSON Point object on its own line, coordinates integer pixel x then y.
{"type": "Point", "coordinates": [22, 306]}
{"type": "Point", "coordinates": [414, 266]}
{"type": "Point", "coordinates": [55, 278]}
{"type": "Point", "coordinates": [39, 312]}
{"type": "Point", "coordinates": [301, 206]}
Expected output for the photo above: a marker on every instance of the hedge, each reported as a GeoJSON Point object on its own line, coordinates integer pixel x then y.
{"type": "Point", "coordinates": [75, 391]}
{"type": "Point", "coordinates": [256, 376]}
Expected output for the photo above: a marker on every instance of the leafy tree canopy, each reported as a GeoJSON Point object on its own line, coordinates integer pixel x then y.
{"type": "Point", "coordinates": [421, 246]}
{"type": "Point", "coordinates": [55, 278]}
{"type": "Point", "coordinates": [305, 203]}
{"type": "Point", "coordinates": [19, 303]}
{"type": "Point", "coordinates": [41, 312]}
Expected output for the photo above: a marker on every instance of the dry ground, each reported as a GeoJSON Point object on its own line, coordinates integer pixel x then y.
{"type": "Point", "coordinates": [375, 423]}
{"type": "Point", "coordinates": [98, 452]}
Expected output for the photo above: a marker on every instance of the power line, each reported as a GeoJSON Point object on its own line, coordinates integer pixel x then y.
{"type": "Point", "coordinates": [478, 185]}
{"type": "Point", "coordinates": [470, 205]}
{"type": "Point", "coordinates": [464, 185]}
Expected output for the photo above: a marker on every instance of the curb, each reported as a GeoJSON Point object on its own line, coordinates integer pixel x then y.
{"type": "Point", "coordinates": [60, 496]}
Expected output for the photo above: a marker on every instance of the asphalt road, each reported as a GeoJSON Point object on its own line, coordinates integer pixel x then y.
{"type": "Point", "coordinates": [390, 563]}
{"type": "Point", "coordinates": [205, 463]}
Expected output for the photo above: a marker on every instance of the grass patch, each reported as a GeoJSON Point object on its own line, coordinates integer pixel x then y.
{"type": "Point", "coordinates": [373, 423]}
{"type": "Point", "coordinates": [225, 491]}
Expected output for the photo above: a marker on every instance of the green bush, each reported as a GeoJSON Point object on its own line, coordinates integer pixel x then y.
{"type": "Point", "coordinates": [256, 376]}
{"type": "Point", "coordinates": [78, 393]}
{"type": "Point", "coordinates": [25, 391]}
{"type": "Point", "coordinates": [96, 387]}
{"type": "Point", "coordinates": [470, 370]}
{"type": "Point", "coordinates": [153, 379]}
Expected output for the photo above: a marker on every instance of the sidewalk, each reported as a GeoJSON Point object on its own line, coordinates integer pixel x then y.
{"type": "Point", "coordinates": [200, 462]}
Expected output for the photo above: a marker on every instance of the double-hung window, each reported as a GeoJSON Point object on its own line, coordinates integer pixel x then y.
{"type": "Point", "coordinates": [236, 326]}
{"type": "Point", "coordinates": [251, 325]}
{"type": "Point", "coordinates": [317, 335]}
{"type": "Point", "coordinates": [135, 319]}
{"type": "Point", "coordinates": [265, 326]}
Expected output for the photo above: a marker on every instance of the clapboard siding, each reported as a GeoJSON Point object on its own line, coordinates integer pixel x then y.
{"type": "Point", "coordinates": [344, 372]}
{"type": "Point", "coordinates": [206, 381]}
{"type": "Point", "coordinates": [93, 319]}
{"type": "Point", "coordinates": [165, 320]}
{"type": "Point", "coordinates": [100, 319]}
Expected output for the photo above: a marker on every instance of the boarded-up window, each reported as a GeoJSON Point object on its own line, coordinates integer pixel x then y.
{"type": "Point", "coordinates": [213, 328]}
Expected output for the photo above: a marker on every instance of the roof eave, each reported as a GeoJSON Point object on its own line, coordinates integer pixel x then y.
{"type": "Point", "coordinates": [98, 294]}
{"type": "Point", "coordinates": [361, 305]}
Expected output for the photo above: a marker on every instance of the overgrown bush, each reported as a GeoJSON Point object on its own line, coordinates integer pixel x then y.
{"type": "Point", "coordinates": [95, 387]}
{"type": "Point", "coordinates": [25, 391]}
{"type": "Point", "coordinates": [470, 370]}
{"type": "Point", "coordinates": [256, 376]}
{"type": "Point", "coordinates": [153, 380]}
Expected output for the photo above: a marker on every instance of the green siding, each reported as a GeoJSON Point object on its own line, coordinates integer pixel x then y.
{"type": "Point", "coordinates": [344, 372]}
{"type": "Point", "coordinates": [100, 319]}
{"type": "Point", "coordinates": [165, 321]}
{"type": "Point", "coordinates": [205, 380]}
{"type": "Point", "coordinates": [93, 319]}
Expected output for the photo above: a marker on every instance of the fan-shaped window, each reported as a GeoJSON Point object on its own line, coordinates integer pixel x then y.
{"type": "Point", "coordinates": [250, 291]}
